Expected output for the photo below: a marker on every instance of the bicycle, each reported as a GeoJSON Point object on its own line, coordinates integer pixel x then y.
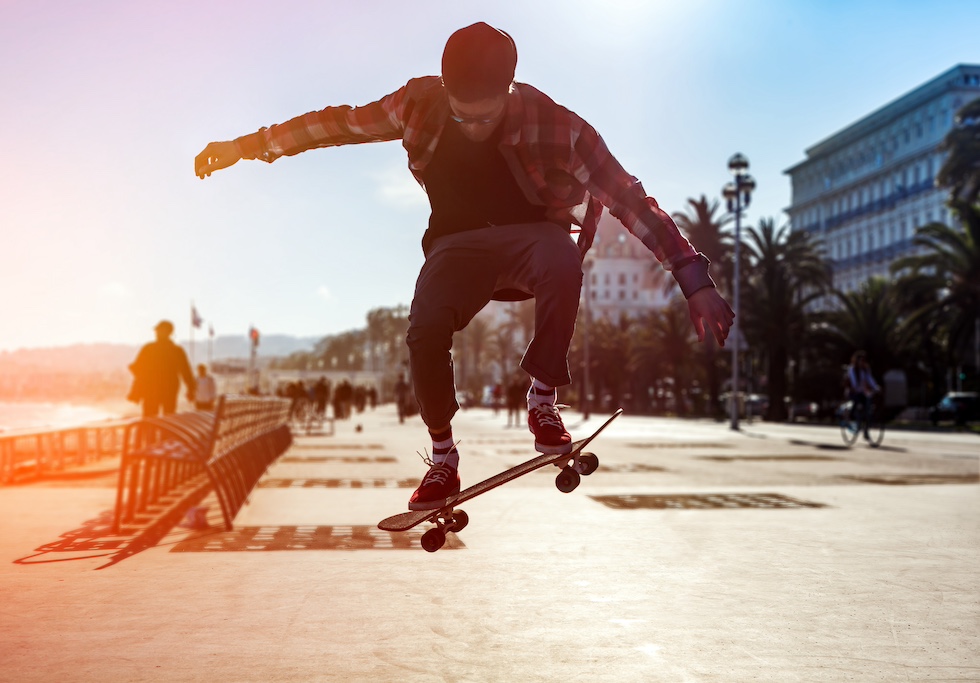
{"type": "Point", "coordinates": [306, 415]}
{"type": "Point", "coordinates": [872, 425]}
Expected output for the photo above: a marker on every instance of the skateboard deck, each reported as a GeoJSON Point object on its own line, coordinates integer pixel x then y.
{"type": "Point", "coordinates": [447, 518]}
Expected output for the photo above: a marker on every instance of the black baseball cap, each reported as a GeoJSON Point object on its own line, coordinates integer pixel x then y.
{"type": "Point", "coordinates": [478, 63]}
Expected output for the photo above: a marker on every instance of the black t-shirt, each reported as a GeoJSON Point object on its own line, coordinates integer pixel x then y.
{"type": "Point", "coordinates": [470, 186]}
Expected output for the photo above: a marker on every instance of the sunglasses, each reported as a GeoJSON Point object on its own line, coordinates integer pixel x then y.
{"type": "Point", "coordinates": [476, 122]}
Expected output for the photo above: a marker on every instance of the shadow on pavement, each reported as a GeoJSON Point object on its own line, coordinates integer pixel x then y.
{"type": "Point", "coordinates": [95, 537]}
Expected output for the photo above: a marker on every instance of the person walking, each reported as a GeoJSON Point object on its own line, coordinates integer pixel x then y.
{"type": "Point", "coordinates": [508, 172]}
{"type": "Point", "coordinates": [207, 391]}
{"type": "Point", "coordinates": [157, 372]}
{"type": "Point", "coordinates": [402, 393]}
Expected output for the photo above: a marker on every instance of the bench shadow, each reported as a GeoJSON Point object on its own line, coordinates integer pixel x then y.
{"type": "Point", "coordinates": [95, 538]}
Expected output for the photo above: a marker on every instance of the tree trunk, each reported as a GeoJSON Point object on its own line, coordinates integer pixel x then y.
{"type": "Point", "coordinates": [777, 384]}
{"type": "Point", "coordinates": [714, 408]}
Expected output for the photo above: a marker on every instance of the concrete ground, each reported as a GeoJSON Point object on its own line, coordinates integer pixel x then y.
{"type": "Point", "coordinates": [694, 554]}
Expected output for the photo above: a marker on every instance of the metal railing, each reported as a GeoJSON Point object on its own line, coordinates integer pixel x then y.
{"type": "Point", "coordinates": [35, 454]}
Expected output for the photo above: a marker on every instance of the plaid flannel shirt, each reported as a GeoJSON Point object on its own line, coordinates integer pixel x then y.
{"type": "Point", "coordinates": [557, 158]}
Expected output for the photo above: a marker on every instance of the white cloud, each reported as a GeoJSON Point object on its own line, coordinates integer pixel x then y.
{"type": "Point", "coordinates": [324, 293]}
{"type": "Point", "coordinates": [397, 187]}
{"type": "Point", "coordinates": [116, 290]}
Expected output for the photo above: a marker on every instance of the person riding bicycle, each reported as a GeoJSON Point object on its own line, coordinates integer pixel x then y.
{"type": "Point", "coordinates": [861, 386]}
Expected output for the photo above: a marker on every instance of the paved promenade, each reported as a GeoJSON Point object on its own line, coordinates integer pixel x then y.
{"type": "Point", "coordinates": [694, 554]}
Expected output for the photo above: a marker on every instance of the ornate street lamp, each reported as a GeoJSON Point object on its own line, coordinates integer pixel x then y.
{"type": "Point", "coordinates": [738, 194]}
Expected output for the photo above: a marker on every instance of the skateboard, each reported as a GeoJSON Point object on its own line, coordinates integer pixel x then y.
{"type": "Point", "coordinates": [573, 464]}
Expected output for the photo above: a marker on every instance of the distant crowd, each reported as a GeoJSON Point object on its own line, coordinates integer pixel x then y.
{"type": "Point", "coordinates": [345, 398]}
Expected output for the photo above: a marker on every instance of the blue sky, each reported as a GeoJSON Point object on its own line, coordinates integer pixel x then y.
{"type": "Point", "coordinates": [105, 228]}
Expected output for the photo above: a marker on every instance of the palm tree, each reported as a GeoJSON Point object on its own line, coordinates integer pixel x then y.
{"type": "Point", "coordinates": [503, 351]}
{"type": "Point", "coordinates": [646, 365]}
{"type": "Point", "coordinates": [868, 319]}
{"type": "Point", "coordinates": [708, 234]}
{"type": "Point", "coordinates": [609, 351]}
{"type": "Point", "coordinates": [944, 278]}
{"type": "Point", "coordinates": [960, 171]}
{"type": "Point", "coordinates": [786, 273]}
{"type": "Point", "coordinates": [520, 316]}
{"type": "Point", "coordinates": [469, 345]}
{"type": "Point", "coordinates": [386, 330]}
{"type": "Point", "coordinates": [674, 340]}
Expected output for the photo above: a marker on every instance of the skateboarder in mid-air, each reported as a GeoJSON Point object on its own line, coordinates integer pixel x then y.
{"type": "Point", "coordinates": [507, 172]}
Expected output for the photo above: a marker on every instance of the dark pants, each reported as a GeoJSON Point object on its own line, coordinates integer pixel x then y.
{"type": "Point", "coordinates": [860, 404]}
{"type": "Point", "coordinates": [459, 278]}
{"type": "Point", "coordinates": [154, 405]}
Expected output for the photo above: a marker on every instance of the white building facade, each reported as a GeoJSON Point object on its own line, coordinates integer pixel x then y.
{"type": "Point", "coordinates": [864, 190]}
{"type": "Point", "coordinates": [622, 277]}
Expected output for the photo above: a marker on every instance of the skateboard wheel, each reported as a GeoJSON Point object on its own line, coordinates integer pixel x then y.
{"type": "Point", "coordinates": [587, 464]}
{"type": "Point", "coordinates": [460, 520]}
{"type": "Point", "coordinates": [567, 480]}
{"type": "Point", "coordinates": [432, 540]}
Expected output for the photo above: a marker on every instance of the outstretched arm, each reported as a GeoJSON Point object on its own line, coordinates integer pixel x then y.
{"type": "Point", "coordinates": [329, 127]}
{"type": "Point", "coordinates": [710, 310]}
{"type": "Point", "coordinates": [216, 156]}
{"type": "Point", "coordinates": [623, 194]}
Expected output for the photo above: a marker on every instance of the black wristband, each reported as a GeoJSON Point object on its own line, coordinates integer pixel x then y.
{"type": "Point", "coordinates": [692, 274]}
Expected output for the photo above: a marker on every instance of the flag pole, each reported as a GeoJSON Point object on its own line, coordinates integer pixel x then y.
{"type": "Point", "coordinates": [193, 320]}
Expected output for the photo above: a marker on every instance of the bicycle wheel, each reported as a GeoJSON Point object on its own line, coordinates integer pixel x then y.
{"type": "Point", "coordinates": [876, 429]}
{"type": "Point", "coordinates": [850, 426]}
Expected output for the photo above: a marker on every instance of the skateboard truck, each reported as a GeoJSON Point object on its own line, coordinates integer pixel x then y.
{"type": "Point", "coordinates": [435, 538]}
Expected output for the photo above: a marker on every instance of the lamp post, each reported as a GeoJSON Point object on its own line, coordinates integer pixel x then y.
{"type": "Point", "coordinates": [738, 195]}
{"type": "Point", "coordinates": [586, 333]}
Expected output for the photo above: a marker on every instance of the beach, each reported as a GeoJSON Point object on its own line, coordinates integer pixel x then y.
{"type": "Point", "coordinates": [28, 415]}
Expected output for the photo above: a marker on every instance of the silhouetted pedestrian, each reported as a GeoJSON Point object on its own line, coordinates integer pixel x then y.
{"type": "Point", "coordinates": [207, 390]}
{"type": "Point", "coordinates": [515, 400]}
{"type": "Point", "coordinates": [157, 371]}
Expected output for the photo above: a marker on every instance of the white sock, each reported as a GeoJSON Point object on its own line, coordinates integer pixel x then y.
{"type": "Point", "coordinates": [445, 453]}
{"type": "Point", "coordinates": [541, 394]}
{"type": "Point", "coordinates": [451, 458]}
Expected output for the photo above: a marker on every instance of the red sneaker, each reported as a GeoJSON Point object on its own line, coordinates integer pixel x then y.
{"type": "Point", "coordinates": [439, 483]}
{"type": "Point", "coordinates": [550, 435]}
